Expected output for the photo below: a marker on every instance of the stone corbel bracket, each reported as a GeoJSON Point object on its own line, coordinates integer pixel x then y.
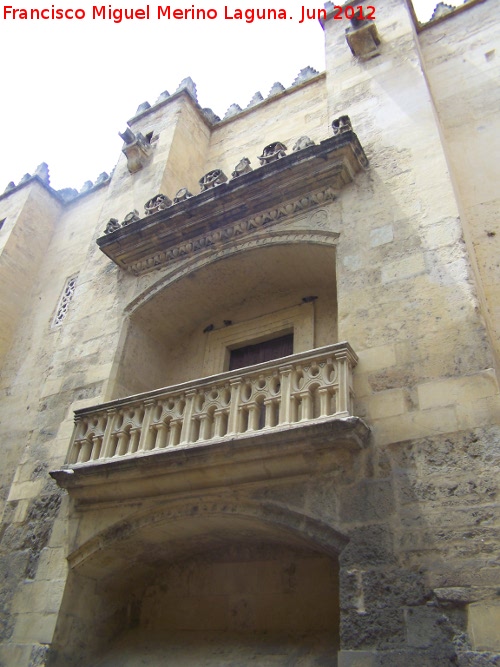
{"type": "Point", "coordinates": [136, 149]}
{"type": "Point", "coordinates": [363, 39]}
{"type": "Point", "coordinates": [240, 207]}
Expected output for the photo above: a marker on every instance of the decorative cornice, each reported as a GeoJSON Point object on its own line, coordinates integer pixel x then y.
{"type": "Point", "coordinates": [230, 233]}
{"type": "Point", "coordinates": [260, 198]}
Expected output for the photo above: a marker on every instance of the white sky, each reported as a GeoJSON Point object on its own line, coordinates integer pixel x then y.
{"type": "Point", "coordinates": [70, 86]}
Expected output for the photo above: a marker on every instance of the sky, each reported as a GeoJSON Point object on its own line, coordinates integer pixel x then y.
{"type": "Point", "coordinates": [69, 86]}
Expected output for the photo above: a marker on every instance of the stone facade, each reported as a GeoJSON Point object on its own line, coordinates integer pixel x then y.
{"type": "Point", "coordinates": [337, 505]}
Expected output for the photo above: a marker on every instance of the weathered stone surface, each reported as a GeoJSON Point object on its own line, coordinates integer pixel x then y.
{"type": "Point", "coordinates": [474, 659]}
{"type": "Point", "coordinates": [369, 500]}
{"type": "Point", "coordinates": [378, 628]}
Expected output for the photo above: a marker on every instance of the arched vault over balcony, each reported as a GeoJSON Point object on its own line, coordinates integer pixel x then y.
{"type": "Point", "coordinates": [211, 582]}
{"type": "Point", "coordinates": [256, 292]}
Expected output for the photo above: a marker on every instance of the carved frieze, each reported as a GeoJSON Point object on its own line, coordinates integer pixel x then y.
{"type": "Point", "coordinates": [289, 184]}
{"type": "Point", "coordinates": [231, 232]}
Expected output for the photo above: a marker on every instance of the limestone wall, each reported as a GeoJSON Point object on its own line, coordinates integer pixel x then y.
{"type": "Point", "coordinates": [460, 57]}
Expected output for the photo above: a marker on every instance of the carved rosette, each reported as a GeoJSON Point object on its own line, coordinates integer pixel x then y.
{"type": "Point", "coordinates": [112, 226]}
{"type": "Point", "coordinates": [341, 125]}
{"type": "Point", "coordinates": [230, 233]}
{"type": "Point", "coordinates": [158, 203]}
{"type": "Point", "coordinates": [212, 179]}
{"type": "Point", "coordinates": [182, 195]}
{"type": "Point", "coordinates": [243, 167]}
{"type": "Point", "coordinates": [272, 152]}
{"type": "Point", "coordinates": [133, 216]}
{"type": "Point", "coordinates": [301, 143]}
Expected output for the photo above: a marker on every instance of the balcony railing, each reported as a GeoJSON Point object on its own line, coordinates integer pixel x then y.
{"type": "Point", "coordinates": [276, 395]}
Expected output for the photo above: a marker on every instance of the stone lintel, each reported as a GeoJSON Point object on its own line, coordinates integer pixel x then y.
{"type": "Point", "coordinates": [285, 451]}
{"type": "Point", "coordinates": [330, 165]}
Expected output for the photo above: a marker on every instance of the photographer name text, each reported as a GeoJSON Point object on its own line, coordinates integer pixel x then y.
{"type": "Point", "coordinates": [172, 13]}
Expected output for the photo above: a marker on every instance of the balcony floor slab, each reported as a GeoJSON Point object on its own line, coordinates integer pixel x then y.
{"type": "Point", "coordinates": [301, 448]}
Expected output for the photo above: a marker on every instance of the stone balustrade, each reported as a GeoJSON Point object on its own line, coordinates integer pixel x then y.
{"type": "Point", "coordinates": [276, 395]}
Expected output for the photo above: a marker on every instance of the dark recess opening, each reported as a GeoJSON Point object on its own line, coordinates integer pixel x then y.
{"type": "Point", "coordinates": [260, 352]}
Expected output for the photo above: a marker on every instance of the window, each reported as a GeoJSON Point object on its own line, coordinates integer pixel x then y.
{"type": "Point", "coordinates": [65, 300]}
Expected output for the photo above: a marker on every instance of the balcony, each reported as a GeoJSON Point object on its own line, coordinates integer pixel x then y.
{"type": "Point", "coordinates": [242, 425]}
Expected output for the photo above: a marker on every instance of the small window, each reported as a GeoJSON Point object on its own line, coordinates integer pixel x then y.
{"type": "Point", "coordinates": [257, 353]}
{"type": "Point", "coordinates": [65, 300]}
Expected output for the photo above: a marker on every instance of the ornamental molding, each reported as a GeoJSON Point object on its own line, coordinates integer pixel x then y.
{"type": "Point", "coordinates": [178, 512]}
{"type": "Point", "coordinates": [186, 265]}
{"type": "Point", "coordinates": [217, 239]}
{"type": "Point", "coordinates": [248, 205]}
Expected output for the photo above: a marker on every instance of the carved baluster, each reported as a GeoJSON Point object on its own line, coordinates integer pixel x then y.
{"type": "Point", "coordinates": [253, 416]}
{"type": "Point", "coordinates": [204, 426]}
{"type": "Point", "coordinates": [74, 452]}
{"type": "Point", "coordinates": [224, 422]}
{"type": "Point", "coordinates": [86, 450]}
{"type": "Point", "coordinates": [123, 440]}
{"type": "Point", "coordinates": [75, 447]}
{"type": "Point", "coordinates": [108, 442]}
{"type": "Point", "coordinates": [188, 417]}
{"type": "Point", "coordinates": [242, 422]}
{"type": "Point", "coordinates": [161, 435]}
{"type": "Point", "coordinates": [286, 398]}
{"type": "Point", "coordinates": [97, 447]}
{"type": "Point", "coordinates": [268, 403]}
{"type": "Point", "coordinates": [343, 379]}
{"type": "Point", "coordinates": [175, 432]}
{"type": "Point", "coordinates": [135, 435]}
{"type": "Point", "coordinates": [218, 422]}
{"type": "Point", "coordinates": [233, 425]}
{"type": "Point", "coordinates": [307, 405]}
{"type": "Point", "coordinates": [324, 401]}
{"type": "Point", "coordinates": [147, 433]}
